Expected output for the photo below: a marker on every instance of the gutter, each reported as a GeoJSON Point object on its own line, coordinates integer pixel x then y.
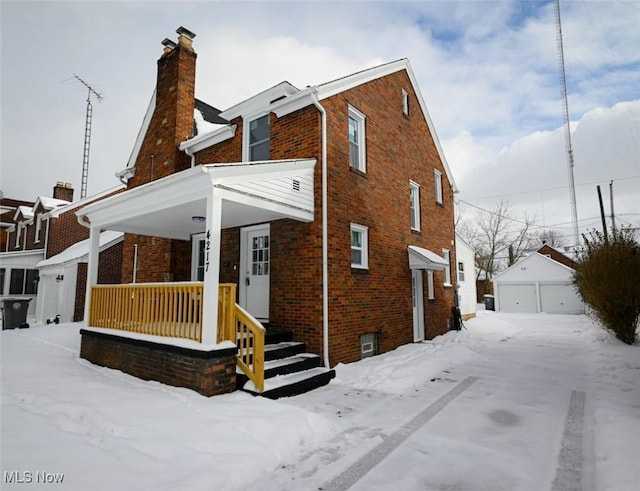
{"type": "Point", "coordinates": [325, 234]}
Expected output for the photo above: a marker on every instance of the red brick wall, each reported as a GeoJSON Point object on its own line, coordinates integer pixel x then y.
{"type": "Point", "coordinates": [208, 373]}
{"type": "Point", "coordinates": [159, 156]}
{"type": "Point", "coordinates": [398, 149]}
{"type": "Point", "coordinates": [109, 273]}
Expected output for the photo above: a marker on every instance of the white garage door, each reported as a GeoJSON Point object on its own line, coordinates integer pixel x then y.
{"type": "Point", "coordinates": [518, 298]}
{"type": "Point", "coordinates": [560, 299]}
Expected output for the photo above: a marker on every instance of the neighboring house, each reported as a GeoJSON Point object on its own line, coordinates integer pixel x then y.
{"type": "Point", "coordinates": [466, 276]}
{"type": "Point", "coordinates": [63, 272]}
{"type": "Point", "coordinates": [537, 283]}
{"type": "Point", "coordinates": [37, 263]}
{"type": "Point", "coordinates": [26, 243]}
{"type": "Point", "coordinates": [8, 208]}
{"type": "Point", "coordinates": [328, 210]}
{"type": "Point", "coordinates": [559, 255]}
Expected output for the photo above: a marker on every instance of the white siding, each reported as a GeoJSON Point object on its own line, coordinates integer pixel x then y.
{"type": "Point", "coordinates": [291, 191]}
{"type": "Point", "coordinates": [467, 288]}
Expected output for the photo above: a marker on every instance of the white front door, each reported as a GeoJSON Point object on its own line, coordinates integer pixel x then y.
{"type": "Point", "coordinates": [418, 304]}
{"type": "Point", "coordinates": [255, 261]}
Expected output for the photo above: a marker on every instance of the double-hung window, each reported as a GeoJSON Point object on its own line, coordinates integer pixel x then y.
{"type": "Point", "coordinates": [447, 270]}
{"type": "Point", "coordinates": [357, 151]}
{"type": "Point", "coordinates": [460, 271]}
{"type": "Point", "coordinates": [258, 142]}
{"type": "Point", "coordinates": [414, 200]}
{"type": "Point", "coordinates": [438, 180]}
{"type": "Point", "coordinates": [23, 282]}
{"type": "Point", "coordinates": [359, 246]}
{"type": "Point", "coordinates": [430, 289]}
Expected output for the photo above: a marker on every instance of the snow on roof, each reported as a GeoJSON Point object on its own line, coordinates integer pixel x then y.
{"type": "Point", "coordinates": [203, 125]}
{"type": "Point", "coordinates": [420, 258]}
{"type": "Point", "coordinates": [50, 203]}
{"type": "Point", "coordinates": [79, 250]}
{"type": "Point", "coordinates": [25, 211]}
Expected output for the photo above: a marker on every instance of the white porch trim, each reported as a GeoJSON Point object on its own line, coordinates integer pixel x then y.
{"type": "Point", "coordinates": [226, 195]}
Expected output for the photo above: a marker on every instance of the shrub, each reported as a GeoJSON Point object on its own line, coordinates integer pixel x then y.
{"type": "Point", "coordinates": [608, 279]}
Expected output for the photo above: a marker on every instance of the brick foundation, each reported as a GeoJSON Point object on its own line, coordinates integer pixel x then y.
{"type": "Point", "coordinates": [207, 372]}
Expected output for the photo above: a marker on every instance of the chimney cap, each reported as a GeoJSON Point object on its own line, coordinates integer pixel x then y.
{"type": "Point", "coordinates": [183, 31]}
{"type": "Point", "coordinates": [167, 43]}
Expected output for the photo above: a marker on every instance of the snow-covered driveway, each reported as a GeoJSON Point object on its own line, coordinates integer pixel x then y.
{"type": "Point", "coordinates": [515, 402]}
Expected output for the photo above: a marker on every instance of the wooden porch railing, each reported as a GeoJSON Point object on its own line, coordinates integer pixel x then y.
{"type": "Point", "coordinates": [160, 309]}
{"type": "Point", "coordinates": [175, 310]}
{"type": "Point", "coordinates": [237, 325]}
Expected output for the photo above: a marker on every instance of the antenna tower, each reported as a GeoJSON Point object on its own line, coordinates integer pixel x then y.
{"type": "Point", "coordinates": [87, 135]}
{"type": "Point", "coordinates": [567, 128]}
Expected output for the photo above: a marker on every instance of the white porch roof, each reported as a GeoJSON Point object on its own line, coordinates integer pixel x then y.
{"type": "Point", "coordinates": [420, 258]}
{"type": "Point", "coordinates": [251, 192]}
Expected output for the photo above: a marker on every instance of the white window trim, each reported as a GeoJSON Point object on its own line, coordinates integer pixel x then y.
{"type": "Point", "coordinates": [415, 212]}
{"type": "Point", "coordinates": [18, 234]}
{"type": "Point", "coordinates": [38, 228]}
{"type": "Point", "coordinates": [405, 102]}
{"type": "Point", "coordinates": [430, 287]}
{"type": "Point", "coordinates": [447, 271]}
{"type": "Point", "coordinates": [365, 245]}
{"type": "Point", "coordinates": [438, 183]}
{"type": "Point", "coordinates": [195, 240]}
{"type": "Point", "coordinates": [362, 139]}
{"type": "Point", "coordinates": [246, 121]}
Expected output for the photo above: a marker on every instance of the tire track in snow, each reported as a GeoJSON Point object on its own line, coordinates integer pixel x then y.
{"type": "Point", "coordinates": [351, 475]}
{"type": "Point", "coordinates": [570, 461]}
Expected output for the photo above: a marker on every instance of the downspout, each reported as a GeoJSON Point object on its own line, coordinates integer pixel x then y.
{"type": "Point", "coordinates": [325, 235]}
{"type": "Point", "coordinates": [135, 261]}
{"type": "Point", "coordinates": [190, 153]}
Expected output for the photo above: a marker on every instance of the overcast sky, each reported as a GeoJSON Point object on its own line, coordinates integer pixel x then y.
{"type": "Point", "coordinates": [487, 70]}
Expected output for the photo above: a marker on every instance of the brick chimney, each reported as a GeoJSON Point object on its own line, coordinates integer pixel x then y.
{"type": "Point", "coordinates": [63, 191]}
{"type": "Point", "coordinates": [172, 120]}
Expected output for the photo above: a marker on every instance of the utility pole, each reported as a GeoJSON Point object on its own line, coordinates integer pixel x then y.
{"type": "Point", "coordinates": [613, 216]}
{"type": "Point", "coordinates": [87, 135]}
{"type": "Point", "coordinates": [604, 222]}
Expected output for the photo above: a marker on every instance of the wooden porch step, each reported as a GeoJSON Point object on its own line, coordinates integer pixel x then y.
{"type": "Point", "coordinates": [283, 349]}
{"type": "Point", "coordinates": [293, 383]}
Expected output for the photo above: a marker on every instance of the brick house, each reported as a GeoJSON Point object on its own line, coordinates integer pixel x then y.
{"type": "Point", "coordinates": [328, 209]}
{"type": "Point", "coordinates": [42, 258]}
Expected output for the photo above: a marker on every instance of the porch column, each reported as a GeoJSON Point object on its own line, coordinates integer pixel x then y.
{"type": "Point", "coordinates": [92, 268]}
{"type": "Point", "coordinates": [211, 268]}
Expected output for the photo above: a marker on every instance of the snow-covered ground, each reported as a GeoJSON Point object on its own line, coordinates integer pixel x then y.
{"type": "Point", "coordinates": [497, 406]}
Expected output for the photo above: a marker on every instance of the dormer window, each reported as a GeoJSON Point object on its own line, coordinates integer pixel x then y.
{"type": "Point", "coordinates": [258, 141]}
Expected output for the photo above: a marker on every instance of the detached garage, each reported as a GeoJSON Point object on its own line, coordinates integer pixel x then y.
{"type": "Point", "coordinates": [534, 284]}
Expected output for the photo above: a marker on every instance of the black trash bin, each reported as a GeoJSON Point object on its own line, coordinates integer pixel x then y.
{"type": "Point", "coordinates": [14, 312]}
{"type": "Point", "coordinates": [489, 302]}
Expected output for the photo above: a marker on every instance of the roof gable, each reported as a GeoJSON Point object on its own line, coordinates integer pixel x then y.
{"type": "Point", "coordinates": [535, 267]}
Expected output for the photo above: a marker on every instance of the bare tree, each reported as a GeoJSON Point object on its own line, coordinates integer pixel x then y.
{"type": "Point", "coordinates": [552, 238]}
{"type": "Point", "coordinates": [497, 237]}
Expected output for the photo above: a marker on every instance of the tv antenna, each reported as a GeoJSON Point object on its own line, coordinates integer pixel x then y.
{"type": "Point", "coordinates": [87, 135]}
{"type": "Point", "coordinates": [567, 128]}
